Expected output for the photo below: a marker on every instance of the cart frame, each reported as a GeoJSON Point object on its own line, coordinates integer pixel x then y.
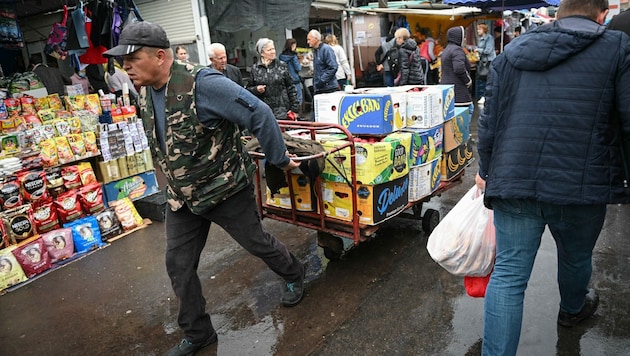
{"type": "Point", "coordinates": [317, 220]}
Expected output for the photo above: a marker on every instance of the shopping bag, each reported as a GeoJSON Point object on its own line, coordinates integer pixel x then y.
{"type": "Point", "coordinates": [476, 286]}
{"type": "Point", "coordinates": [463, 243]}
{"type": "Point", "coordinates": [483, 68]}
{"type": "Point", "coordinates": [56, 42]}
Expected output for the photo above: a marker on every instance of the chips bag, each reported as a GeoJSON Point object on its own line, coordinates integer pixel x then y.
{"type": "Point", "coordinates": [59, 244]}
{"type": "Point", "coordinates": [85, 234]}
{"type": "Point", "coordinates": [33, 257]}
{"type": "Point", "coordinates": [11, 273]}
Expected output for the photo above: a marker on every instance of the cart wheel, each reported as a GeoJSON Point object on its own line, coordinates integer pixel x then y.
{"type": "Point", "coordinates": [430, 220]}
{"type": "Point", "coordinates": [331, 244]}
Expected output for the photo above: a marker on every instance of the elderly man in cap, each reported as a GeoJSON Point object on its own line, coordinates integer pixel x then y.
{"type": "Point", "coordinates": [192, 116]}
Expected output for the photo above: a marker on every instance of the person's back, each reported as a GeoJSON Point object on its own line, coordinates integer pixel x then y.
{"type": "Point", "coordinates": [550, 159]}
{"type": "Point", "coordinates": [412, 70]}
{"type": "Point", "coordinates": [573, 87]}
{"type": "Point", "coordinates": [324, 64]}
{"type": "Point", "coordinates": [456, 67]}
{"type": "Point", "coordinates": [382, 61]}
{"type": "Point", "coordinates": [52, 78]}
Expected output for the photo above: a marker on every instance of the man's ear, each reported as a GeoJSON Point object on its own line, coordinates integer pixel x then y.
{"type": "Point", "coordinates": [602, 17]}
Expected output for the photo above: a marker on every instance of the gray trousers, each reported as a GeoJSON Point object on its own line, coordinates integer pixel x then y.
{"type": "Point", "coordinates": [186, 235]}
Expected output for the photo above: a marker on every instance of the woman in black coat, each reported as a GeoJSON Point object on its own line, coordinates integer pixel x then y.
{"type": "Point", "coordinates": [456, 67]}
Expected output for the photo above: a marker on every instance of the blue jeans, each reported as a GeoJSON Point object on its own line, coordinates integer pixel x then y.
{"type": "Point", "coordinates": [298, 88]}
{"type": "Point", "coordinates": [186, 235]}
{"type": "Point", "coordinates": [388, 78]}
{"type": "Point", "coordinates": [519, 228]}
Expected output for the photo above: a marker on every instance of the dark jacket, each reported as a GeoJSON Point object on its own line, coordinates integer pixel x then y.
{"type": "Point", "coordinates": [381, 53]}
{"type": "Point", "coordinates": [548, 130]}
{"type": "Point", "coordinates": [234, 73]}
{"type": "Point", "coordinates": [456, 67]}
{"type": "Point", "coordinates": [280, 93]}
{"type": "Point", "coordinates": [411, 72]}
{"type": "Point", "coordinates": [324, 69]}
{"type": "Point", "coordinates": [621, 22]}
{"type": "Point", "coordinates": [291, 59]}
{"type": "Point", "coordinates": [52, 78]}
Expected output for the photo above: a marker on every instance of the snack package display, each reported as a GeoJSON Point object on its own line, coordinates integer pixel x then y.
{"type": "Point", "coordinates": [126, 213]}
{"type": "Point", "coordinates": [28, 105]}
{"type": "Point", "coordinates": [4, 238]}
{"type": "Point", "coordinates": [33, 186]}
{"type": "Point", "coordinates": [46, 115]}
{"type": "Point", "coordinates": [54, 102]}
{"type": "Point", "coordinates": [45, 216]}
{"type": "Point", "coordinates": [19, 223]}
{"type": "Point", "coordinates": [48, 152]}
{"type": "Point", "coordinates": [13, 106]}
{"type": "Point", "coordinates": [68, 206]}
{"type": "Point", "coordinates": [71, 177]}
{"type": "Point", "coordinates": [109, 224]}
{"type": "Point", "coordinates": [91, 148]}
{"type": "Point", "coordinates": [11, 273]}
{"type": "Point", "coordinates": [91, 198]}
{"type": "Point", "coordinates": [10, 195]}
{"type": "Point", "coordinates": [33, 257]}
{"type": "Point", "coordinates": [85, 234]}
{"type": "Point", "coordinates": [42, 103]}
{"type": "Point", "coordinates": [86, 173]}
{"type": "Point", "coordinates": [77, 145]}
{"type": "Point", "coordinates": [75, 125]}
{"type": "Point", "coordinates": [64, 152]}
{"type": "Point", "coordinates": [59, 244]}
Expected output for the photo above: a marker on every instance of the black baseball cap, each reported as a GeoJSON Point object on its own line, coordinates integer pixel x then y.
{"type": "Point", "coordinates": [137, 35]}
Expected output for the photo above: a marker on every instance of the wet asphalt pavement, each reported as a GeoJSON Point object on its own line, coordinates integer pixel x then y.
{"type": "Point", "coordinates": [386, 297]}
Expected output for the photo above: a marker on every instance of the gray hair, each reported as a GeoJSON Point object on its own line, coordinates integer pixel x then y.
{"type": "Point", "coordinates": [315, 34]}
{"type": "Point", "coordinates": [262, 43]}
{"type": "Point", "coordinates": [216, 46]}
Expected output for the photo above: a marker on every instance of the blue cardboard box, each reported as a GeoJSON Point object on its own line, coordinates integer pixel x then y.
{"type": "Point", "coordinates": [362, 114]}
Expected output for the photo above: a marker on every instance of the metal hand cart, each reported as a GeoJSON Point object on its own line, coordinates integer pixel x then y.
{"type": "Point", "coordinates": [333, 232]}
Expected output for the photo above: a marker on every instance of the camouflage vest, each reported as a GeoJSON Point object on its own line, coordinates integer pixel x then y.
{"type": "Point", "coordinates": [203, 166]}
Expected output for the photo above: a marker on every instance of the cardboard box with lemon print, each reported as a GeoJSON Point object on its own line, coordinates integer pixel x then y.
{"type": "Point", "coordinates": [376, 163]}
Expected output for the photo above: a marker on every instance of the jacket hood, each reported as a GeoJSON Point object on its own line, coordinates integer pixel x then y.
{"type": "Point", "coordinates": [549, 45]}
{"type": "Point", "coordinates": [409, 43]}
{"type": "Point", "coordinates": [456, 35]}
{"type": "Point", "coordinates": [285, 57]}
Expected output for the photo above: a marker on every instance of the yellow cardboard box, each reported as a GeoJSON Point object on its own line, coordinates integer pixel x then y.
{"type": "Point", "coordinates": [301, 198]}
{"type": "Point", "coordinates": [376, 163]}
{"type": "Point", "coordinates": [375, 203]}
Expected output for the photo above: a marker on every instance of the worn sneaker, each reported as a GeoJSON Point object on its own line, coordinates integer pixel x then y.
{"type": "Point", "coordinates": [185, 347]}
{"type": "Point", "coordinates": [590, 306]}
{"type": "Point", "coordinates": [293, 292]}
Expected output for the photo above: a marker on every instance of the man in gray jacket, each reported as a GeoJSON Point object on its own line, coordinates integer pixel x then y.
{"type": "Point", "coordinates": [552, 156]}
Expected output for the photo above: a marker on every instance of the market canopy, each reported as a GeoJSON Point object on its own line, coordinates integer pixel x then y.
{"type": "Point", "coordinates": [503, 4]}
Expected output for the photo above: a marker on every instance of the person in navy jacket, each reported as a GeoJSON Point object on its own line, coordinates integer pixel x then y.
{"type": "Point", "coordinates": [552, 156]}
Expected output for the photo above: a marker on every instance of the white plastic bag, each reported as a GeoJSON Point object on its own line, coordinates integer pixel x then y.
{"type": "Point", "coordinates": [464, 242]}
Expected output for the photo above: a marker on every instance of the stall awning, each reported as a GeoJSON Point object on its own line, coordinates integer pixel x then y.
{"type": "Point", "coordinates": [504, 4]}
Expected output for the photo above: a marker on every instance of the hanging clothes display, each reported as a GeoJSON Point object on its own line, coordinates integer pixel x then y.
{"type": "Point", "coordinates": [56, 42]}
{"type": "Point", "coordinates": [10, 34]}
